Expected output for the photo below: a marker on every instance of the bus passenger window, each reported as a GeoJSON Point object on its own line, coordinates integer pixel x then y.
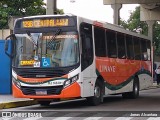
{"type": "Point", "coordinates": [111, 43]}
{"type": "Point", "coordinates": [129, 43]}
{"type": "Point", "coordinates": [137, 50]}
{"type": "Point", "coordinates": [100, 43]}
{"type": "Point", "coordinates": [144, 50]}
{"type": "Point", "coordinates": [121, 46]}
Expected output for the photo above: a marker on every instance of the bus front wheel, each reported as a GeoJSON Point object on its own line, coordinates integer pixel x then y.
{"type": "Point", "coordinates": [98, 95]}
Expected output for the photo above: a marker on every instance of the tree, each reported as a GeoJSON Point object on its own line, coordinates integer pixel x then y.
{"type": "Point", "coordinates": [134, 24]}
{"type": "Point", "coordinates": [156, 38]}
{"type": "Point", "coordinates": [60, 11]}
{"type": "Point", "coordinates": [19, 8]}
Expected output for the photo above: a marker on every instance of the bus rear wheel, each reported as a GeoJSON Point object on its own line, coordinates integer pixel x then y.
{"type": "Point", "coordinates": [135, 93]}
{"type": "Point", "coordinates": [98, 95]}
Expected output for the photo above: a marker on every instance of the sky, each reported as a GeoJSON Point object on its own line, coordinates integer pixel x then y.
{"type": "Point", "coordinates": [94, 9]}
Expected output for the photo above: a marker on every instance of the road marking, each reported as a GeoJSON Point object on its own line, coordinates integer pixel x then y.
{"type": "Point", "coordinates": [124, 118]}
{"type": "Point", "coordinates": [47, 114]}
{"type": "Point", "coordinates": [76, 114]}
{"type": "Point", "coordinates": [95, 117]}
{"type": "Point", "coordinates": [65, 117]}
{"type": "Point", "coordinates": [6, 118]}
{"type": "Point", "coordinates": [154, 118]}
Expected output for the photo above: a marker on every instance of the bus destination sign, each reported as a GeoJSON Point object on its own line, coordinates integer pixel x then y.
{"type": "Point", "coordinates": [37, 23]}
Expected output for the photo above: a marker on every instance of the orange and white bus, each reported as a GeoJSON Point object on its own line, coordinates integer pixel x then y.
{"type": "Point", "coordinates": [58, 57]}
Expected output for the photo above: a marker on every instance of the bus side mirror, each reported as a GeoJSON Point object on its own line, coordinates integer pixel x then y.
{"type": "Point", "coordinates": [6, 47]}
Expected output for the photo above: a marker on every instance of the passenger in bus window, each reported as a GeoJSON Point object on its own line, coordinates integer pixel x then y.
{"type": "Point", "coordinates": [157, 71]}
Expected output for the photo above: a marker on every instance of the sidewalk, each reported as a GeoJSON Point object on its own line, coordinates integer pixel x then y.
{"type": "Point", "coordinates": [154, 86]}
{"type": "Point", "coordinates": [8, 101]}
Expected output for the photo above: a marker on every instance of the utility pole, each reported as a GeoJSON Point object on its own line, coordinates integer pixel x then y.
{"type": "Point", "coordinates": [51, 7]}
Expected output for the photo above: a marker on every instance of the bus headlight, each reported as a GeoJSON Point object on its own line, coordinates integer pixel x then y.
{"type": "Point", "coordinates": [16, 82]}
{"type": "Point", "coordinates": [71, 80]}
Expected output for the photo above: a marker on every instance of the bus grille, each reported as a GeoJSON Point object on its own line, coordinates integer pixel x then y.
{"type": "Point", "coordinates": [39, 73]}
{"type": "Point", "coordinates": [54, 90]}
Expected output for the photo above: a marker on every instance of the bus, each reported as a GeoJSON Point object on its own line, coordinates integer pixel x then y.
{"type": "Point", "coordinates": [57, 57]}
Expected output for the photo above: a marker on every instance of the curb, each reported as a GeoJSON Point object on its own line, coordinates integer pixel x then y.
{"type": "Point", "coordinates": [17, 104]}
{"type": "Point", "coordinates": [152, 87]}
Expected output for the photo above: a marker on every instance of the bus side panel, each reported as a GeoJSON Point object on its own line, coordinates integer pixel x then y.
{"type": "Point", "coordinates": [145, 77]}
{"type": "Point", "coordinates": [119, 74]}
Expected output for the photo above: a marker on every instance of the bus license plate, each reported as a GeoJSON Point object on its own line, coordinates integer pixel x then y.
{"type": "Point", "coordinates": [41, 92]}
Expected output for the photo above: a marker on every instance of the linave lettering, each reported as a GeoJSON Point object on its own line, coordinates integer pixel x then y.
{"type": "Point", "coordinates": [107, 68]}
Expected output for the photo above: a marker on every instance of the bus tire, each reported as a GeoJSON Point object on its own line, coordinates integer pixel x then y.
{"type": "Point", "coordinates": [135, 93]}
{"type": "Point", "coordinates": [98, 95]}
{"type": "Point", "coordinates": [44, 103]}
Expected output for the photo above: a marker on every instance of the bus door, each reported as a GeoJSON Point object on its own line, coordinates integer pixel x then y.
{"type": "Point", "coordinates": [86, 58]}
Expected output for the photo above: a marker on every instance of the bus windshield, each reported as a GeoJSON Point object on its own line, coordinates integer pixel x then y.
{"type": "Point", "coordinates": [46, 50]}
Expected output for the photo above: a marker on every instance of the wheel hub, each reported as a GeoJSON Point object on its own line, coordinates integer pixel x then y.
{"type": "Point", "coordinates": [97, 92]}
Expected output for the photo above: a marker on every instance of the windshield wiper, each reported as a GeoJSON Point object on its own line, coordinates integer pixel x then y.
{"type": "Point", "coordinates": [49, 43]}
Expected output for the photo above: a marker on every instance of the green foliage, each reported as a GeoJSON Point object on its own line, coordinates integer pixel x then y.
{"type": "Point", "coordinates": [134, 23]}
{"type": "Point", "coordinates": [19, 8]}
{"type": "Point", "coordinates": [156, 38]}
{"type": "Point", "coordinates": [60, 11]}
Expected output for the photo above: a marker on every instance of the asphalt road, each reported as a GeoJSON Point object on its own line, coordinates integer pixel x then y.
{"type": "Point", "coordinates": [147, 103]}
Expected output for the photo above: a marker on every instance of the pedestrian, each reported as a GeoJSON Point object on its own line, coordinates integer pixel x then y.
{"type": "Point", "coordinates": [154, 73]}
{"type": "Point", "coordinates": [157, 71]}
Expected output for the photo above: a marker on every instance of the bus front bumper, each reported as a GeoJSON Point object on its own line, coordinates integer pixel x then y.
{"type": "Point", "coordinates": [71, 91]}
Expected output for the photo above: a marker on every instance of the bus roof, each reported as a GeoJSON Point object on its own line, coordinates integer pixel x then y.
{"type": "Point", "coordinates": [113, 27]}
